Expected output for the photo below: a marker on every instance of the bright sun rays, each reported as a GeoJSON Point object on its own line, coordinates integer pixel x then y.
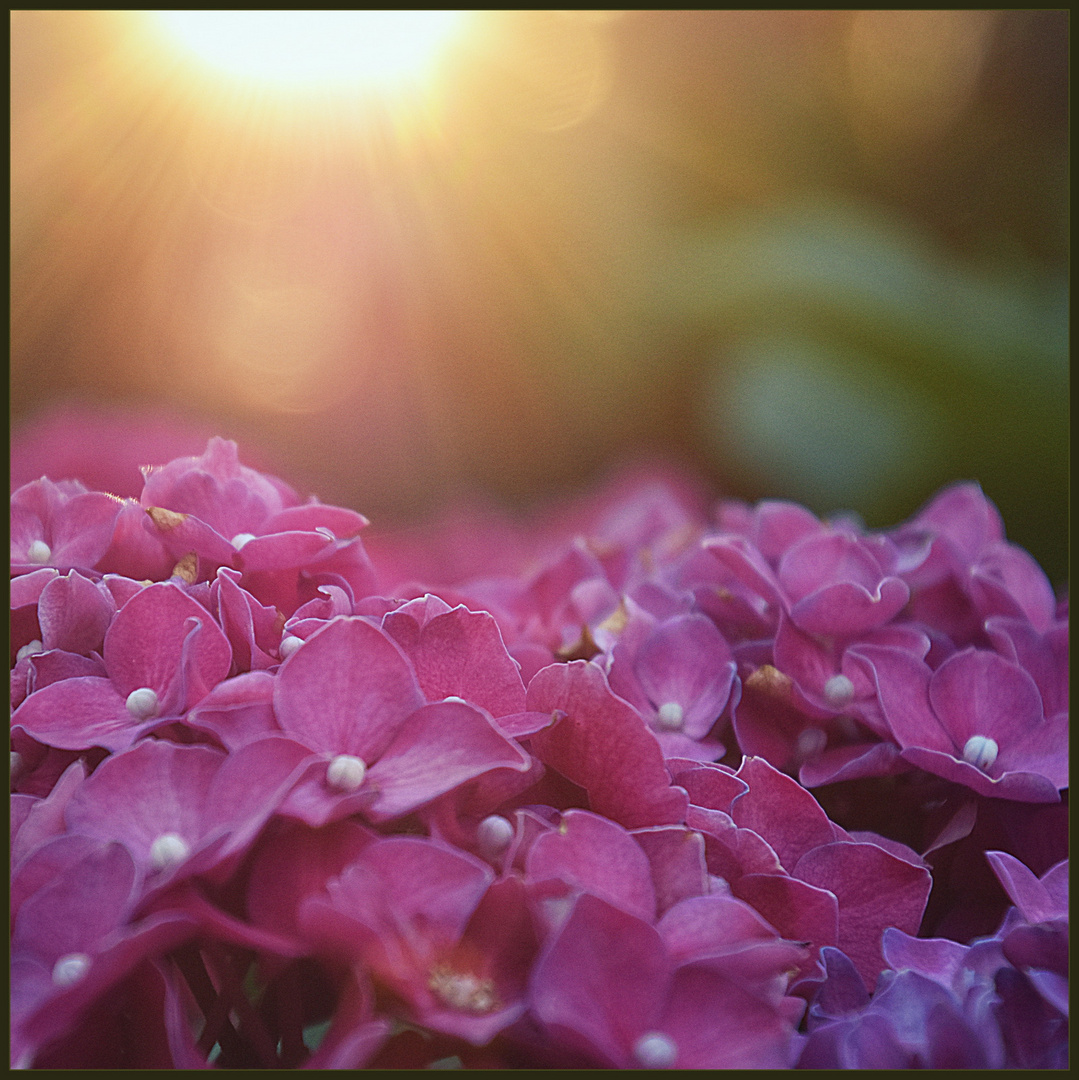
{"type": "Point", "coordinates": [380, 50]}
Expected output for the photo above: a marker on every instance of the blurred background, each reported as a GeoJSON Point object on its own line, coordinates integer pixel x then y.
{"type": "Point", "coordinates": [814, 255]}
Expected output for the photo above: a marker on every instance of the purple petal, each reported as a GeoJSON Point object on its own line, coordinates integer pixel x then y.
{"type": "Point", "coordinates": [938, 959]}
{"type": "Point", "coordinates": [874, 890]}
{"type": "Point", "coordinates": [979, 693]}
{"type": "Point", "coordinates": [1028, 894]}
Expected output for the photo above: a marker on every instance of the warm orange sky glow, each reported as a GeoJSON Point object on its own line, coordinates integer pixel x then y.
{"type": "Point", "coordinates": [314, 49]}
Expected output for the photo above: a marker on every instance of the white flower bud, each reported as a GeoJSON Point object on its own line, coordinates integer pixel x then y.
{"type": "Point", "coordinates": [655, 1050]}
{"type": "Point", "coordinates": [69, 969]}
{"type": "Point", "coordinates": [289, 644]}
{"type": "Point", "coordinates": [142, 703]}
{"type": "Point", "coordinates": [839, 691]}
{"type": "Point", "coordinates": [168, 850]}
{"type": "Point", "coordinates": [494, 834]}
{"type": "Point", "coordinates": [39, 552]}
{"type": "Point", "coordinates": [346, 773]}
{"type": "Point", "coordinates": [671, 715]}
{"type": "Point", "coordinates": [31, 648]}
{"type": "Point", "coordinates": [980, 751]}
{"type": "Point", "coordinates": [810, 742]}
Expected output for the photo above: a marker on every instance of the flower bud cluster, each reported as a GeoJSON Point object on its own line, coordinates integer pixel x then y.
{"type": "Point", "coordinates": [639, 785]}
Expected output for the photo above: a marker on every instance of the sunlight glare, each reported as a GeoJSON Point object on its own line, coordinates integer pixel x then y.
{"type": "Point", "coordinates": [372, 49]}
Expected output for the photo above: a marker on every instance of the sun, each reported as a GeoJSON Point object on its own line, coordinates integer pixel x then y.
{"type": "Point", "coordinates": [371, 50]}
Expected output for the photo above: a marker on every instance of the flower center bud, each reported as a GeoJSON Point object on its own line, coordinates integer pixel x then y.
{"type": "Point", "coordinates": [240, 539]}
{"type": "Point", "coordinates": [31, 648]}
{"type": "Point", "coordinates": [980, 751]}
{"type": "Point", "coordinates": [839, 691]}
{"type": "Point", "coordinates": [494, 835]}
{"type": "Point", "coordinates": [345, 773]}
{"type": "Point", "coordinates": [810, 742]}
{"type": "Point", "coordinates": [142, 703]}
{"type": "Point", "coordinates": [462, 990]}
{"type": "Point", "coordinates": [289, 644]}
{"type": "Point", "coordinates": [655, 1050]}
{"type": "Point", "coordinates": [670, 715]}
{"type": "Point", "coordinates": [69, 969]}
{"type": "Point", "coordinates": [39, 552]}
{"type": "Point", "coordinates": [168, 850]}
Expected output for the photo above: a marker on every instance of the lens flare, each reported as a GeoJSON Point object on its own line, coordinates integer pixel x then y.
{"type": "Point", "coordinates": [373, 49]}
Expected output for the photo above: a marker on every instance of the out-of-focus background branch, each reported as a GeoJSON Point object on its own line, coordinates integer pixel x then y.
{"type": "Point", "coordinates": [816, 255]}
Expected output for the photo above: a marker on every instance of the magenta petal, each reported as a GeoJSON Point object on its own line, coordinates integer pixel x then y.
{"type": "Point", "coordinates": [602, 981]}
{"type": "Point", "coordinates": [150, 789]}
{"type": "Point", "coordinates": [74, 613]}
{"type": "Point", "coordinates": [231, 498]}
{"type": "Point", "coordinates": [44, 817]}
{"type": "Point", "coordinates": [343, 523]}
{"type": "Point", "coordinates": [676, 856]}
{"type": "Point", "coordinates": [347, 690]}
{"type": "Point", "coordinates": [903, 687]}
{"type": "Point", "coordinates": [403, 880]}
{"type": "Point", "coordinates": [979, 693]}
{"type": "Point", "coordinates": [779, 809]}
{"type": "Point", "coordinates": [292, 862]}
{"type": "Point", "coordinates": [875, 890]}
{"type": "Point", "coordinates": [845, 608]}
{"type": "Point", "coordinates": [799, 910]}
{"type": "Point", "coordinates": [711, 925]}
{"type": "Point", "coordinates": [181, 534]}
{"type": "Point", "coordinates": [77, 527]}
{"type": "Point", "coordinates": [148, 645]}
{"type": "Point", "coordinates": [594, 854]}
{"type": "Point", "coordinates": [598, 731]}
{"type": "Point", "coordinates": [461, 653]}
{"type": "Point", "coordinates": [80, 907]}
{"type": "Point", "coordinates": [253, 630]}
{"type": "Point", "coordinates": [238, 710]}
{"type": "Point", "coordinates": [686, 660]}
{"type": "Point", "coordinates": [1006, 580]}
{"type": "Point", "coordinates": [75, 714]}
{"type": "Point", "coordinates": [437, 748]}
{"type": "Point", "coordinates": [279, 551]}
{"type": "Point", "coordinates": [748, 566]}
{"type": "Point", "coordinates": [247, 788]}
{"type": "Point", "coordinates": [717, 1023]}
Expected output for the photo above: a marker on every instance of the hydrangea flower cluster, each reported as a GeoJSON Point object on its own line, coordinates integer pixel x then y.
{"type": "Point", "coordinates": [640, 786]}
